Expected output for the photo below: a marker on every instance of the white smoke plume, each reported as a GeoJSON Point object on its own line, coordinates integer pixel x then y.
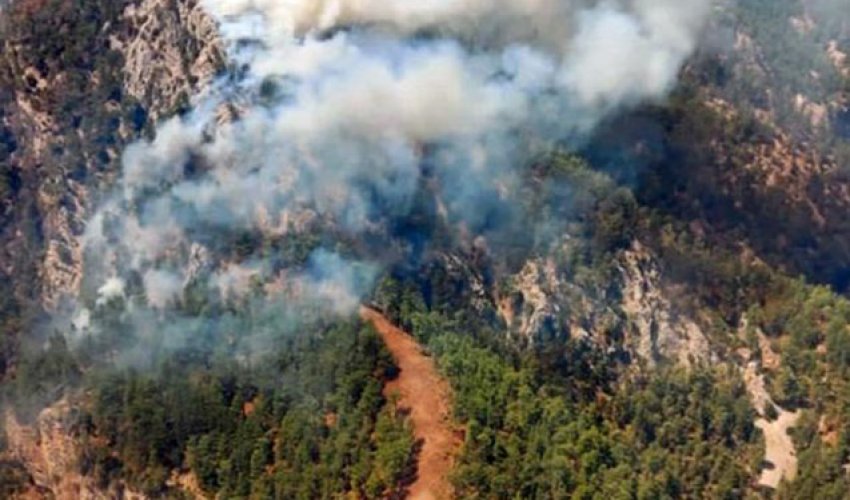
{"type": "Point", "coordinates": [112, 288]}
{"type": "Point", "coordinates": [341, 104]}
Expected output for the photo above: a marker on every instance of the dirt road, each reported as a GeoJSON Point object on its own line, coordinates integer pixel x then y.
{"type": "Point", "coordinates": [428, 397]}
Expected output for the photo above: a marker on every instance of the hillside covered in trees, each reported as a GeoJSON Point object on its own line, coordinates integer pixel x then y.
{"type": "Point", "coordinates": [630, 289]}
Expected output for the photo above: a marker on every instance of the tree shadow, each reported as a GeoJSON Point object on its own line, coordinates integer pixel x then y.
{"type": "Point", "coordinates": [411, 470]}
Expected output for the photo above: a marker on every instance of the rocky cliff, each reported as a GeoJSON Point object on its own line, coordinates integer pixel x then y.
{"type": "Point", "coordinates": [635, 310]}
{"type": "Point", "coordinates": [174, 52]}
{"type": "Point", "coordinates": [754, 168]}
{"type": "Point", "coordinates": [144, 60]}
{"type": "Point", "coordinates": [50, 449]}
{"type": "Point", "coordinates": [68, 105]}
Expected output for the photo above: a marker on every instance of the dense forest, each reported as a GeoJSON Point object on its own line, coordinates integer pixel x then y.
{"type": "Point", "coordinates": [310, 422]}
{"type": "Point", "coordinates": [557, 420]}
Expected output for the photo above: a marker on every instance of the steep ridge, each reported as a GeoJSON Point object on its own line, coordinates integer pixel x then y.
{"type": "Point", "coordinates": [427, 396]}
{"type": "Point", "coordinates": [65, 120]}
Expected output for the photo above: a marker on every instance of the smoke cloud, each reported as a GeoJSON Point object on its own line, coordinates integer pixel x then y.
{"type": "Point", "coordinates": [341, 106]}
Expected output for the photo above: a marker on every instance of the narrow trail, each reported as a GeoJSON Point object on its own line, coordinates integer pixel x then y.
{"type": "Point", "coordinates": [428, 398]}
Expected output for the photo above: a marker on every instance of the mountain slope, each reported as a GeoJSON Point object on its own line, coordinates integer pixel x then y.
{"type": "Point", "coordinates": [656, 309]}
{"type": "Point", "coordinates": [422, 391]}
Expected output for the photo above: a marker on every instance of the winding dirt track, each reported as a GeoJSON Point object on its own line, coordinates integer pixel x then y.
{"type": "Point", "coordinates": [427, 396]}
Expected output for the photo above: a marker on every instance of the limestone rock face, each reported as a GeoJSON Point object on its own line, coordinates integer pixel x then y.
{"type": "Point", "coordinates": [658, 331]}
{"type": "Point", "coordinates": [174, 53]}
{"type": "Point", "coordinates": [157, 54]}
{"type": "Point", "coordinates": [49, 450]}
{"type": "Point", "coordinates": [533, 313]}
{"type": "Point", "coordinates": [64, 130]}
{"type": "Point", "coordinates": [544, 302]}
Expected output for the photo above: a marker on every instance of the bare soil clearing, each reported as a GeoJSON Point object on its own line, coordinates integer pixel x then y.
{"type": "Point", "coordinates": [779, 448]}
{"type": "Point", "coordinates": [427, 396]}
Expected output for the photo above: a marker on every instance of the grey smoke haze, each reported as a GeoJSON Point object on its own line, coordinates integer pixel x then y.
{"type": "Point", "coordinates": [340, 104]}
{"type": "Point", "coordinates": [838, 10]}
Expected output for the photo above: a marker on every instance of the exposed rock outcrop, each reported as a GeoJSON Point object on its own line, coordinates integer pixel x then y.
{"type": "Point", "coordinates": [658, 330]}
{"type": "Point", "coordinates": [167, 49]}
{"type": "Point", "coordinates": [536, 286]}
{"type": "Point", "coordinates": [49, 450]}
{"type": "Point", "coordinates": [64, 122]}
{"type": "Point", "coordinates": [174, 52]}
{"type": "Point", "coordinates": [542, 301]}
{"type": "Point", "coordinates": [780, 451]}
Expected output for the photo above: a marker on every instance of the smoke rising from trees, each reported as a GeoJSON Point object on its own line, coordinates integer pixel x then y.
{"type": "Point", "coordinates": [329, 115]}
